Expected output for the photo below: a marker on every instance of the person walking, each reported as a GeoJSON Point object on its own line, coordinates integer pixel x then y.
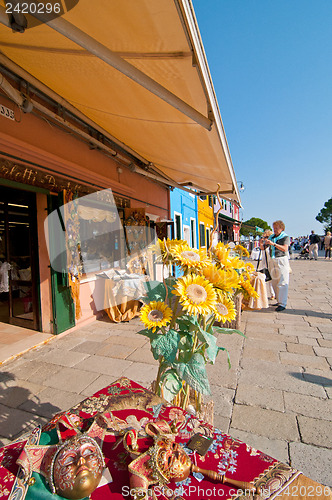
{"type": "Point", "coordinates": [314, 239]}
{"type": "Point", "coordinates": [279, 263]}
{"type": "Point", "coordinates": [328, 245]}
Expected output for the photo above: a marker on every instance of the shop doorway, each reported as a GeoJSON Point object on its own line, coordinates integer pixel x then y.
{"type": "Point", "coordinates": [19, 277]}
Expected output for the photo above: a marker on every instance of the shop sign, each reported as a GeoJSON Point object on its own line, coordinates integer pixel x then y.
{"type": "Point", "coordinates": [27, 175]}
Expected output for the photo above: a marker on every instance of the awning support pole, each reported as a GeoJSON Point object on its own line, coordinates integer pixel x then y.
{"type": "Point", "coordinates": [94, 47]}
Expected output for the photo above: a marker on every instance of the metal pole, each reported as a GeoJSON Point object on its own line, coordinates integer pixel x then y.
{"type": "Point", "coordinates": [94, 47]}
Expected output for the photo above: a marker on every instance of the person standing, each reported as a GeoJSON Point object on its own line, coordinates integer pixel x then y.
{"type": "Point", "coordinates": [279, 263]}
{"type": "Point", "coordinates": [264, 261]}
{"type": "Point", "coordinates": [328, 245]}
{"type": "Point", "coordinates": [314, 239]}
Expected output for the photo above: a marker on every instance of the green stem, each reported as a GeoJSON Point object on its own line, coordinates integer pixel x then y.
{"type": "Point", "coordinates": [199, 402]}
{"type": "Point", "coordinates": [186, 398]}
{"type": "Point", "coordinates": [176, 303]}
{"type": "Point", "coordinates": [157, 388]}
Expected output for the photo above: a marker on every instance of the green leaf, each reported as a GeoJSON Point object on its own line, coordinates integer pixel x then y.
{"type": "Point", "coordinates": [155, 290]}
{"type": "Point", "coordinates": [194, 373]}
{"type": "Point", "coordinates": [171, 384]}
{"type": "Point", "coordinates": [227, 331]}
{"type": "Point", "coordinates": [212, 349]}
{"type": "Point", "coordinates": [228, 356]}
{"type": "Point", "coordinates": [187, 323]}
{"type": "Point", "coordinates": [166, 345]}
{"type": "Point", "coordinates": [148, 333]}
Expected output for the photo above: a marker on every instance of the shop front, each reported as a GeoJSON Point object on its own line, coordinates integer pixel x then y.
{"type": "Point", "coordinates": [19, 274]}
{"type": "Point", "coordinates": [40, 288]}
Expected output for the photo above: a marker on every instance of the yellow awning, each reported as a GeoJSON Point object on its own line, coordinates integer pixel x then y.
{"type": "Point", "coordinates": [159, 38]}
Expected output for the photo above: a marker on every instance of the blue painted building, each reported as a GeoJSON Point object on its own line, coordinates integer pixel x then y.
{"type": "Point", "coordinates": [183, 211]}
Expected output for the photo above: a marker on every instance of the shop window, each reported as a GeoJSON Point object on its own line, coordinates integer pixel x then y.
{"type": "Point", "coordinates": [202, 235]}
{"type": "Point", "coordinates": [207, 237]}
{"type": "Point", "coordinates": [178, 226]}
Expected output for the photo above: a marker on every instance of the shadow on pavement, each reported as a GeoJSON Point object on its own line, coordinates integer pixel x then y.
{"type": "Point", "coordinates": [15, 420]}
{"type": "Point", "coordinates": [314, 379]}
{"type": "Point", "coordinates": [308, 312]}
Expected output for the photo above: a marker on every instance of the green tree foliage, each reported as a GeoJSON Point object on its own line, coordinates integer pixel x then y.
{"type": "Point", "coordinates": [248, 227]}
{"type": "Point", "coordinates": [325, 215]}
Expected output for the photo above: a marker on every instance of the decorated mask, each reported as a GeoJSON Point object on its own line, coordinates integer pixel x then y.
{"type": "Point", "coordinates": [169, 461]}
{"type": "Point", "coordinates": [76, 468]}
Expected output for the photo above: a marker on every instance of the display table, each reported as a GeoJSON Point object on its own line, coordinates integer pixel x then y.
{"type": "Point", "coordinates": [125, 405]}
{"type": "Point", "coordinates": [118, 295]}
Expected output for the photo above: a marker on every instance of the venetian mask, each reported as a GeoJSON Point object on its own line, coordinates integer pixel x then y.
{"type": "Point", "coordinates": [169, 461]}
{"type": "Point", "coordinates": [77, 468]}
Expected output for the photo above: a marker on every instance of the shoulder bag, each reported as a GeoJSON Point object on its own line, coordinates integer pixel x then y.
{"type": "Point", "coordinates": [265, 270]}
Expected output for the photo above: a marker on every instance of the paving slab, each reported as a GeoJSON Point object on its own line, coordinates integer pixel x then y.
{"type": "Point", "coordinates": [16, 392]}
{"type": "Point", "coordinates": [314, 462]}
{"type": "Point", "coordinates": [257, 396]}
{"type": "Point", "coordinates": [315, 432]}
{"type": "Point", "coordinates": [71, 379]}
{"type": "Point", "coordinates": [223, 400]}
{"type": "Point", "coordinates": [289, 358]}
{"type": "Point", "coordinates": [61, 400]}
{"type": "Point", "coordinates": [268, 423]}
{"type": "Point", "coordinates": [308, 405]}
{"type": "Point", "coordinates": [104, 365]}
{"type": "Point", "coordinates": [272, 447]}
{"type": "Point", "coordinates": [63, 358]}
{"type": "Point", "coordinates": [300, 349]}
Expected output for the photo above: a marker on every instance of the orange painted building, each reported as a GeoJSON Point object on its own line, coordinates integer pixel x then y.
{"type": "Point", "coordinates": [39, 161]}
{"type": "Point", "coordinates": [205, 219]}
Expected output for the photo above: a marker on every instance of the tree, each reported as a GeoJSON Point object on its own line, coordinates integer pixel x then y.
{"type": "Point", "coordinates": [325, 215]}
{"type": "Point", "coordinates": [248, 227]}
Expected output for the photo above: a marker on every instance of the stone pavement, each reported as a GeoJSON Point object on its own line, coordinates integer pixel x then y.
{"type": "Point", "coordinates": [277, 396]}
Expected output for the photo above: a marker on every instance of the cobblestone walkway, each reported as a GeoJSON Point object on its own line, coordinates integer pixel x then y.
{"type": "Point", "coordinates": [276, 397]}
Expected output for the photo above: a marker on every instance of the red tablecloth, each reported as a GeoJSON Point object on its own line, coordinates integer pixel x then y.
{"type": "Point", "coordinates": [127, 405]}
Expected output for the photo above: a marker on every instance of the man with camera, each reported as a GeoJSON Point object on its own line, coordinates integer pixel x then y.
{"type": "Point", "coordinates": [279, 263]}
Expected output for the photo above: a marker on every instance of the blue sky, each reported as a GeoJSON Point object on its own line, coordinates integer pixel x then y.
{"type": "Point", "coordinates": [271, 67]}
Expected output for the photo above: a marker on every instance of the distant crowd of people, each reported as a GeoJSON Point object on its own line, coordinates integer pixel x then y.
{"type": "Point", "coordinates": [312, 243]}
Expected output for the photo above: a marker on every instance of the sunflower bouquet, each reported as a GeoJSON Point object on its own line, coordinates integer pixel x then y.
{"type": "Point", "coordinates": [180, 314]}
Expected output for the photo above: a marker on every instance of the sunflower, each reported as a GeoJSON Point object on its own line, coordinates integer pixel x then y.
{"type": "Point", "coordinates": [249, 267]}
{"type": "Point", "coordinates": [225, 310]}
{"type": "Point", "coordinates": [225, 280]}
{"type": "Point", "coordinates": [248, 289]}
{"type": "Point", "coordinates": [189, 258]}
{"type": "Point", "coordinates": [155, 315]}
{"type": "Point", "coordinates": [221, 253]}
{"type": "Point", "coordinates": [166, 248]}
{"type": "Point", "coordinates": [241, 250]}
{"type": "Point", "coordinates": [197, 295]}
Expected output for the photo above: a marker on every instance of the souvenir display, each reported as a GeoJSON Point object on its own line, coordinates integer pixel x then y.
{"type": "Point", "coordinates": [143, 444]}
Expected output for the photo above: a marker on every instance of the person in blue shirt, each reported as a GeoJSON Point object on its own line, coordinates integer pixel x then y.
{"type": "Point", "coordinates": [279, 263]}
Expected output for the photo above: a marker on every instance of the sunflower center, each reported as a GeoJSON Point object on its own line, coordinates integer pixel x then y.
{"type": "Point", "coordinates": [155, 315]}
{"type": "Point", "coordinates": [190, 255]}
{"type": "Point", "coordinates": [222, 309]}
{"type": "Point", "coordinates": [196, 293]}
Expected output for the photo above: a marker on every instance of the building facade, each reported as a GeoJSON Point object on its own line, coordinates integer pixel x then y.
{"type": "Point", "coordinates": [228, 220]}
{"type": "Point", "coordinates": [205, 217]}
{"type": "Point", "coordinates": [184, 214]}
{"type": "Point", "coordinates": [43, 165]}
